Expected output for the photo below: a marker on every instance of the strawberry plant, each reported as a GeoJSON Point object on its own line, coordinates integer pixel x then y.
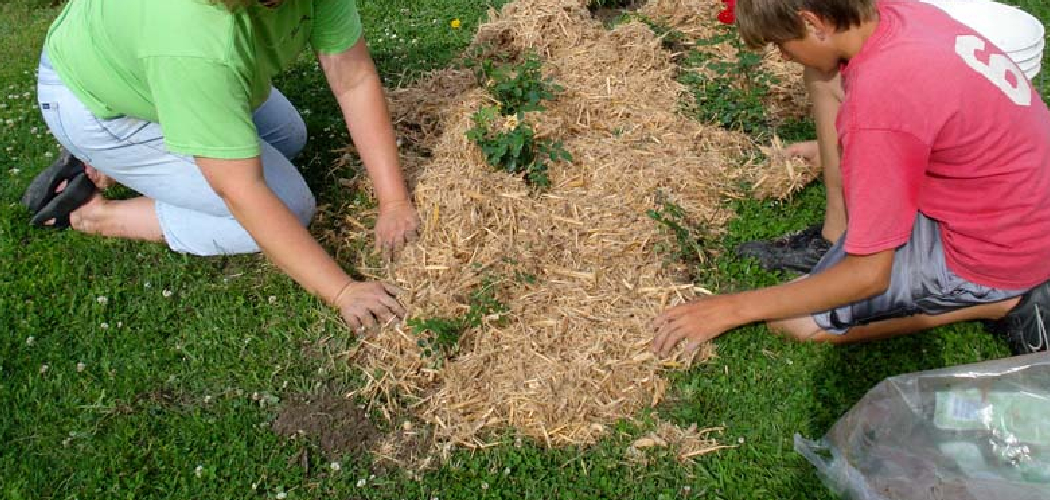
{"type": "Point", "coordinates": [507, 141]}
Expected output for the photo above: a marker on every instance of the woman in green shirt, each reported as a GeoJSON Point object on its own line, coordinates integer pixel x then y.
{"type": "Point", "coordinates": [174, 99]}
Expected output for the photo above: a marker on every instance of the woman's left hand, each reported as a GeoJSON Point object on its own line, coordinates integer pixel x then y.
{"type": "Point", "coordinates": [397, 226]}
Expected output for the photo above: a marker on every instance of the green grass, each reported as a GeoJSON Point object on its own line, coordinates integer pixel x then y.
{"type": "Point", "coordinates": [142, 387]}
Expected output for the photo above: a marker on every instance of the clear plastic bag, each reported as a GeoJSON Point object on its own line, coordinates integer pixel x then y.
{"type": "Point", "coordinates": [974, 432]}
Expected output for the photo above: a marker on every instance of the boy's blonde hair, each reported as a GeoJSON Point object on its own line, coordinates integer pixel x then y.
{"type": "Point", "coordinates": [766, 21]}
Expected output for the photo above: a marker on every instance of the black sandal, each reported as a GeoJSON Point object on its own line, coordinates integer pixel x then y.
{"type": "Point", "coordinates": [42, 190]}
{"type": "Point", "coordinates": [46, 204]}
{"type": "Point", "coordinates": [77, 192]}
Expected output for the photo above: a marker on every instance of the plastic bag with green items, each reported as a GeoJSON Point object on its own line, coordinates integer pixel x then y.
{"type": "Point", "coordinates": [974, 432]}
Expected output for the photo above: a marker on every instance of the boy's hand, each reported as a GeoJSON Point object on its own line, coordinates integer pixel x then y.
{"type": "Point", "coordinates": [698, 322]}
{"type": "Point", "coordinates": [807, 150]}
{"type": "Point", "coordinates": [365, 304]}
{"type": "Point", "coordinates": [397, 226]}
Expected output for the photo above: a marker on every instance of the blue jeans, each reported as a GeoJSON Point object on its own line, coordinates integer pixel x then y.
{"type": "Point", "coordinates": [193, 218]}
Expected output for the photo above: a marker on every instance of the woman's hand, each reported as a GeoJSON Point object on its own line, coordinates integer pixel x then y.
{"type": "Point", "coordinates": [365, 304]}
{"type": "Point", "coordinates": [357, 88]}
{"type": "Point", "coordinates": [397, 226]}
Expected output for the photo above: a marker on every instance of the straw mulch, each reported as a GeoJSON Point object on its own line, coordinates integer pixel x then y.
{"type": "Point", "coordinates": [686, 443]}
{"type": "Point", "coordinates": [572, 354]}
{"type": "Point", "coordinates": [696, 20]}
{"type": "Point", "coordinates": [783, 174]}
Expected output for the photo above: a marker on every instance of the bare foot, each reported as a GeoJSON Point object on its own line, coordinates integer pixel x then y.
{"type": "Point", "coordinates": [101, 180]}
{"type": "Point", "coordinates": [132, 219]}
{"type": "Point", "coordinates": [87, 218]}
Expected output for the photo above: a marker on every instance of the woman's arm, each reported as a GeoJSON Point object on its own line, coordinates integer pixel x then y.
{"type": "Point", "coordinates": [353, 79]}
{"type": "Point", "coordinates": [290, 246]}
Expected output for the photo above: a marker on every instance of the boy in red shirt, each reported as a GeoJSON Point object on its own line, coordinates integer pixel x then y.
{"type": "Point", "coordinates": [944, 154]}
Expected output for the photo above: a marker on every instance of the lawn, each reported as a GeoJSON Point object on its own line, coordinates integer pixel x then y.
{"type": "Point", "coordinates": [128, 371]}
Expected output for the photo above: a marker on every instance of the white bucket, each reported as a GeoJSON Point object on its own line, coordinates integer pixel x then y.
{"type": "Point", "coordinates": [1033, 52]}
{"type": "Point", "coordinates": [1017, 33]}
{"type": "Point", "coordinates": [1023, 63]}
{"type": "Point", "coordinates": [1033, 70]}
{"type": "Point", "coordinates": [1009, 28]}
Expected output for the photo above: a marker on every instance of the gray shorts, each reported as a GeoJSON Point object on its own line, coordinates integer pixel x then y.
{"type": "Point", "coordinates": [921, 283]}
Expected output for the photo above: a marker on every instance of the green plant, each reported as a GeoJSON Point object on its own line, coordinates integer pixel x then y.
{"type": "Point", "coordinates": [507, 141]}
{"type": "Point", "coordinates": [518, 88]}
{"type": "Point", "coordinates": [439, 337]}
{"type": "Point", "coordinates": [688, 235]}
{"type": "Point", "coordinates": [736, 97]}
{"type": "Point", "coordinates": [510, 144]}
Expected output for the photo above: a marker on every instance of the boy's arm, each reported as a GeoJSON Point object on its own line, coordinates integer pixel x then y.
{"type": "Point", "coordinates": [854, 278]}
{"type": "Point", "coordinates": [353, 79]}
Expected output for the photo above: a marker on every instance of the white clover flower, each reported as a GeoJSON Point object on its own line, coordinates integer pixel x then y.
{"type": "Point", "coordinates": [30, 341]}
{"type": "Point", "coordinates": [104, 325]}
{"type": "Point", "coordinates": [335, 466]}
{"type": "Point", "coordinates": [255, 486]}
{"type": "Point", "coordinates": [198, 471]}
{"type": "Point", "coordinates": [44, 368]}
{"type": "Point", "coordinates": [272, 299]}
{"type": "Point", "coordinates": [102, 299]}
{"type": "Point", "coordinates": [362, 482]}
{"type": "Point", "coordinates": [80, 367]}
{"type": "Point", "coordinates": [166, 293]}
{"type": "Point", "coordinates": [282, 495]}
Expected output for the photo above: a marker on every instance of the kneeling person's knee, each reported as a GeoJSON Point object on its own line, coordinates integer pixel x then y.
{"type": "Point", "coordinates": [802, 329]}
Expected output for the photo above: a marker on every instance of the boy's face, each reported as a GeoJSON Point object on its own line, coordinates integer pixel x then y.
{"type": "Point", "coordinates": [815, 50]}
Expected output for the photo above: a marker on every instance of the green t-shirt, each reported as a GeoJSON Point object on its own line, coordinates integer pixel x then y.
{"type": "Point", "coordinates": [195, 68]}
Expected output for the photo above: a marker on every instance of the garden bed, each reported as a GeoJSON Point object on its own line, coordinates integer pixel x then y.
{"type": "Point", "coordinates": [531, 305]}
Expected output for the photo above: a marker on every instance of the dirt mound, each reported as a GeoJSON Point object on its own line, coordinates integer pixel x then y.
{"type": "Point", "coordinates": [337, 424]}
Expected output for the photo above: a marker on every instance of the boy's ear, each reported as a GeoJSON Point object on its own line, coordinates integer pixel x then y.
{"type": "Point", "coordinates": [815, 25]}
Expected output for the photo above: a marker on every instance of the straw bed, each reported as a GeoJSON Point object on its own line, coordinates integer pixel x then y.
{"type": "Point", "coordinates": [575, 264]}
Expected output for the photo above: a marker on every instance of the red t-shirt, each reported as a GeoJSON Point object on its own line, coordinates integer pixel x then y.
{"type": "Point", "coordinates": [937, 120]}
